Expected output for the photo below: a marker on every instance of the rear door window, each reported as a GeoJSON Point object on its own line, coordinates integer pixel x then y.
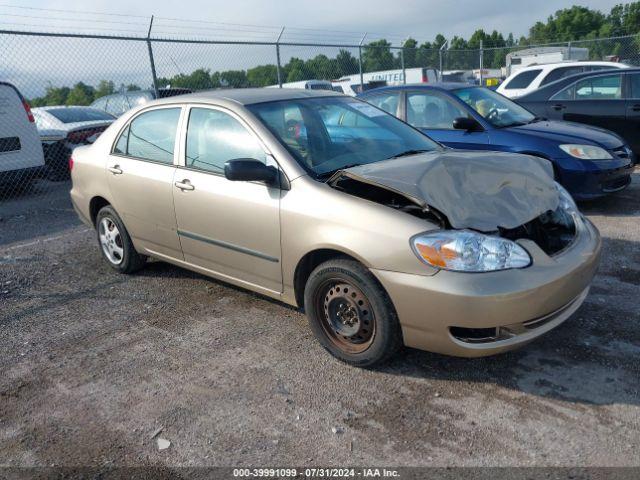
{"type": "Point", "coordinates": [150, 136]}
{"type": "Point", "coordinates": [522, 79]}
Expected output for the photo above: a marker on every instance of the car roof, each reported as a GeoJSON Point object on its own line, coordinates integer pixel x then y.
{"type": "Point", "coordinates": [543, 92]}
{"type": "Point", "coordinates": [553, 66]}
{"type": "Point", "coordinates": [249, 96]}
{"type": "Point", "coordinates": [446, 86]}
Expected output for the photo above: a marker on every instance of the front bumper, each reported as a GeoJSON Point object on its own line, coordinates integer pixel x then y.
{"type": "Point", "coordinates": [519, 305]}
{"type": "Point", "coordinates": [589, 180]}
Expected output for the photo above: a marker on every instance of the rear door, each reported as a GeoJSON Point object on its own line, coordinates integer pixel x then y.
{"type": "Point", "coordinates": [594, 101]}
{"type": "Point", "coordinates": [140, 172]}
{"type": "Point", "coordinates": [632, 135]}
{"type": "Point", "coordinates": [433, 113]}
{"type": "Point", "coordinates": [20, 146]}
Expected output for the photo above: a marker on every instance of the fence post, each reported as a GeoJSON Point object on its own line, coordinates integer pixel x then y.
{"type": "Point", "coordinates": [153, 65]}
{"type": "Point", "coordinates": [404, 72]}
{"type": "Point", "coordinates": [481, 62]}
{"type": "Point", "coordinates": [569, 51]}
{"type": "Point", "coordinates": [442, 47]}
{"type": "Point", "coordinates": [278, 68]}
{"type": "Point", "coordinates": [360, 62]}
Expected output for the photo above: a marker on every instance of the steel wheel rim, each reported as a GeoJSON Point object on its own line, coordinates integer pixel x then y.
{"type": "Point", "coordinates": [111, 241]}
{"type": "Point", "coordinates": [346, 316]}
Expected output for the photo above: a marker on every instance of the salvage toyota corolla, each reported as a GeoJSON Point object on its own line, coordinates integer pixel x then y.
{"type": "Point", "coordinates": [382, 235]}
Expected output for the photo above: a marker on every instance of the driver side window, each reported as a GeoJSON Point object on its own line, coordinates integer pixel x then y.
{"type": "Point", "coordinates": [426, 110]}
{"type": "Point", "coordinates": [213, 137]}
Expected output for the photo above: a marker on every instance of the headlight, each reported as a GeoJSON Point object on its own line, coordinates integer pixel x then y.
{"type": "Point", "coordinates": [586, 152]}
{"type": "Point", "coordinates": [468, 251]}
{"type": "Point", "coordinates": [567, 203]}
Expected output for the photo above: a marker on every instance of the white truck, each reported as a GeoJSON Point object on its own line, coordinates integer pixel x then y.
{"type": "Point", "coordinates": [350, 84]}
{"type": "Point", "coordinates": [21, 157]}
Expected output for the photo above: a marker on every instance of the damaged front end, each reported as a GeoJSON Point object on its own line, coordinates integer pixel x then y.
{"type": "Point", "coordinates": [508, 196]}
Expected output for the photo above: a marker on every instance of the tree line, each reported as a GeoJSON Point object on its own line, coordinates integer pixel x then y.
{"type": "Point", "coordinates": [569, 24]}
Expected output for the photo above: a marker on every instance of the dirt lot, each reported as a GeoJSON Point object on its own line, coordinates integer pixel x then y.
{"type": "Point", "coordinates": [93, 363]}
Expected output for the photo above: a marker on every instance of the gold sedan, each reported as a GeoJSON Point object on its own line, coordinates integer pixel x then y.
{"type": "Point", "coordinates": [322, 201]}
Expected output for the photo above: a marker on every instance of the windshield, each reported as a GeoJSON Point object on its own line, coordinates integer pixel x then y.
{"type": "Point", "coordinates": [72, 115]}
{"type": "Point", "coordinates": [496, 109]}
{"type": "Point", "coordinates": [326, 134]}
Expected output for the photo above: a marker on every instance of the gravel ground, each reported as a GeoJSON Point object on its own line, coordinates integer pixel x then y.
{"type": "Point", "coordinates": [94, 363]}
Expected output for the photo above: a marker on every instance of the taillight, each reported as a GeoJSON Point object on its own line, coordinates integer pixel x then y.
{"type": "Point", "coordinates": [425, 77]}
{"type": "Point", "coordinates": [70, 163]}
{"type": "Point", "coordinates": [27, 109]}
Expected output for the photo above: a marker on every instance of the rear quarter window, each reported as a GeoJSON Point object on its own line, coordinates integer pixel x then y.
{"type": "Point", "coordinates": [522, 79]}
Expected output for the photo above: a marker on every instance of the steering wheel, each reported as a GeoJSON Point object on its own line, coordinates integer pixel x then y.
{"type": "Point", "coordinates": [493, 113]}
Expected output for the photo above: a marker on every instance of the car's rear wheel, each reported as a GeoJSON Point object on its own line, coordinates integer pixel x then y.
{"type": "Point", "coordinates": [351, 314]}
{"type": "Point", "coordinates": [115, 242]}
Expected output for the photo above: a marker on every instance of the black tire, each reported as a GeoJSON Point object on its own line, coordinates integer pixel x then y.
{"type": "Point", "coordinates": [364, 308]}
{"type": "Point", "coordinates": [128, 261]}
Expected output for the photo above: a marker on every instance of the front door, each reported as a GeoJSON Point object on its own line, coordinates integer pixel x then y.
{"type": "Point", "coordinates": [231, 228]}
{"type": "Point", "coordinates": [593, 101]}
{"type": "Point", "coordinates": [140, 173]}
{"type": "Point", "coordinates": [632, 135]}
{"type": "Point", "coordinates": [434, 114]}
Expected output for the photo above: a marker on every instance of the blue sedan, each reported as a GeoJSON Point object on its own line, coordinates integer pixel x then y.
{"type": "Point", "coordinates": [590, 162]}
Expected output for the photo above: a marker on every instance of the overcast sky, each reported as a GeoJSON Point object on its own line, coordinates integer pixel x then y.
{"type": "Point", "coordinates": [32, 63]}
{"type": "Point", "coordinates": [420, 18]}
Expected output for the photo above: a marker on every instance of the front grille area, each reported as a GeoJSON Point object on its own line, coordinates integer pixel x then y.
{"type": "Point", "coordinates": [621, 152]}
{"type": "Point", "coordinates": [551, 231]}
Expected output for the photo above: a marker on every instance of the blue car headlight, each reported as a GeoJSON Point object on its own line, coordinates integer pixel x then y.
{"type": "Point", "coordinates": [586, 152]}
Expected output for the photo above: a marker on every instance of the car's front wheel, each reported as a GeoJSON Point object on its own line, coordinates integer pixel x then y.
{"type": "Point", "coordinates": [115, 242]}
{"type": "Point", "coordinates": [351, 314]}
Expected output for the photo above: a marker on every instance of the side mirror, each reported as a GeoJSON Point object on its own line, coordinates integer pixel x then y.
{"type": "Point", "coordinates": [250, 170]}
{"type": "Point", "coordinates": [468, 124]}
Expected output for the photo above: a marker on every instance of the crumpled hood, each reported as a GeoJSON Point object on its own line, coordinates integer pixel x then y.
{"type": "Point", "coordinates": [476, 190]}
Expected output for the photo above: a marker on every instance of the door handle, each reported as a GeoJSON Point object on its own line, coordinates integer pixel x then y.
{"type": "Point", "coordinates": [559, 106]}
{"type": "Point", "coordinates": [184, 185]}
{"type": "Point", "coordinates": [116, 170]}
{"type": "Point", "coordinates": [636, 107]}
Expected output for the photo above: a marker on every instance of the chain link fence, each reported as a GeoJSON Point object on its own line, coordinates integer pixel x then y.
{"type": "Point", "coordinates": [60, 74]}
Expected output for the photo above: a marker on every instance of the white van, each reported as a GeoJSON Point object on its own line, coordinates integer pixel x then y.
{"type": "Point", "coordinates": [21, 157]}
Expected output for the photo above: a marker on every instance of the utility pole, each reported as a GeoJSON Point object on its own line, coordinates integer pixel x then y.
{"type": "Point", "coordinates": [278, 68]}
{"type": "Point", "coordinates": [481, 62]}
{"type": "Point", "coordinates": [153, 65]}
{"type": "Point", "coordinates": [360, 62]}
{"type": "Point", "coordinates": [442, 47]}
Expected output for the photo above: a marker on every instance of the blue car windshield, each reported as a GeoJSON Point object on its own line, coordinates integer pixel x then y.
{"type": "Point", "coordinates": [325, 134]}
{"type": "Point", "coordinates": [493, 107]}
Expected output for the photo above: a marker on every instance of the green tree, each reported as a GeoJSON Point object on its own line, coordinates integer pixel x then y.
{"type": "Point", "coordinates": [377, 56]}
{"type": "Point", "coordinates": [80, 94]}
{"type": "Point", "coordinates": [105, 87]}
{"type": "Point", "coordinates": [262, 75]}
{"type": "Point", "coordinates": [234, 79]}
{"type": "Point", "coordinates": [346, 64]}
{"type": "Point", "coordinates": [410, 51]}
